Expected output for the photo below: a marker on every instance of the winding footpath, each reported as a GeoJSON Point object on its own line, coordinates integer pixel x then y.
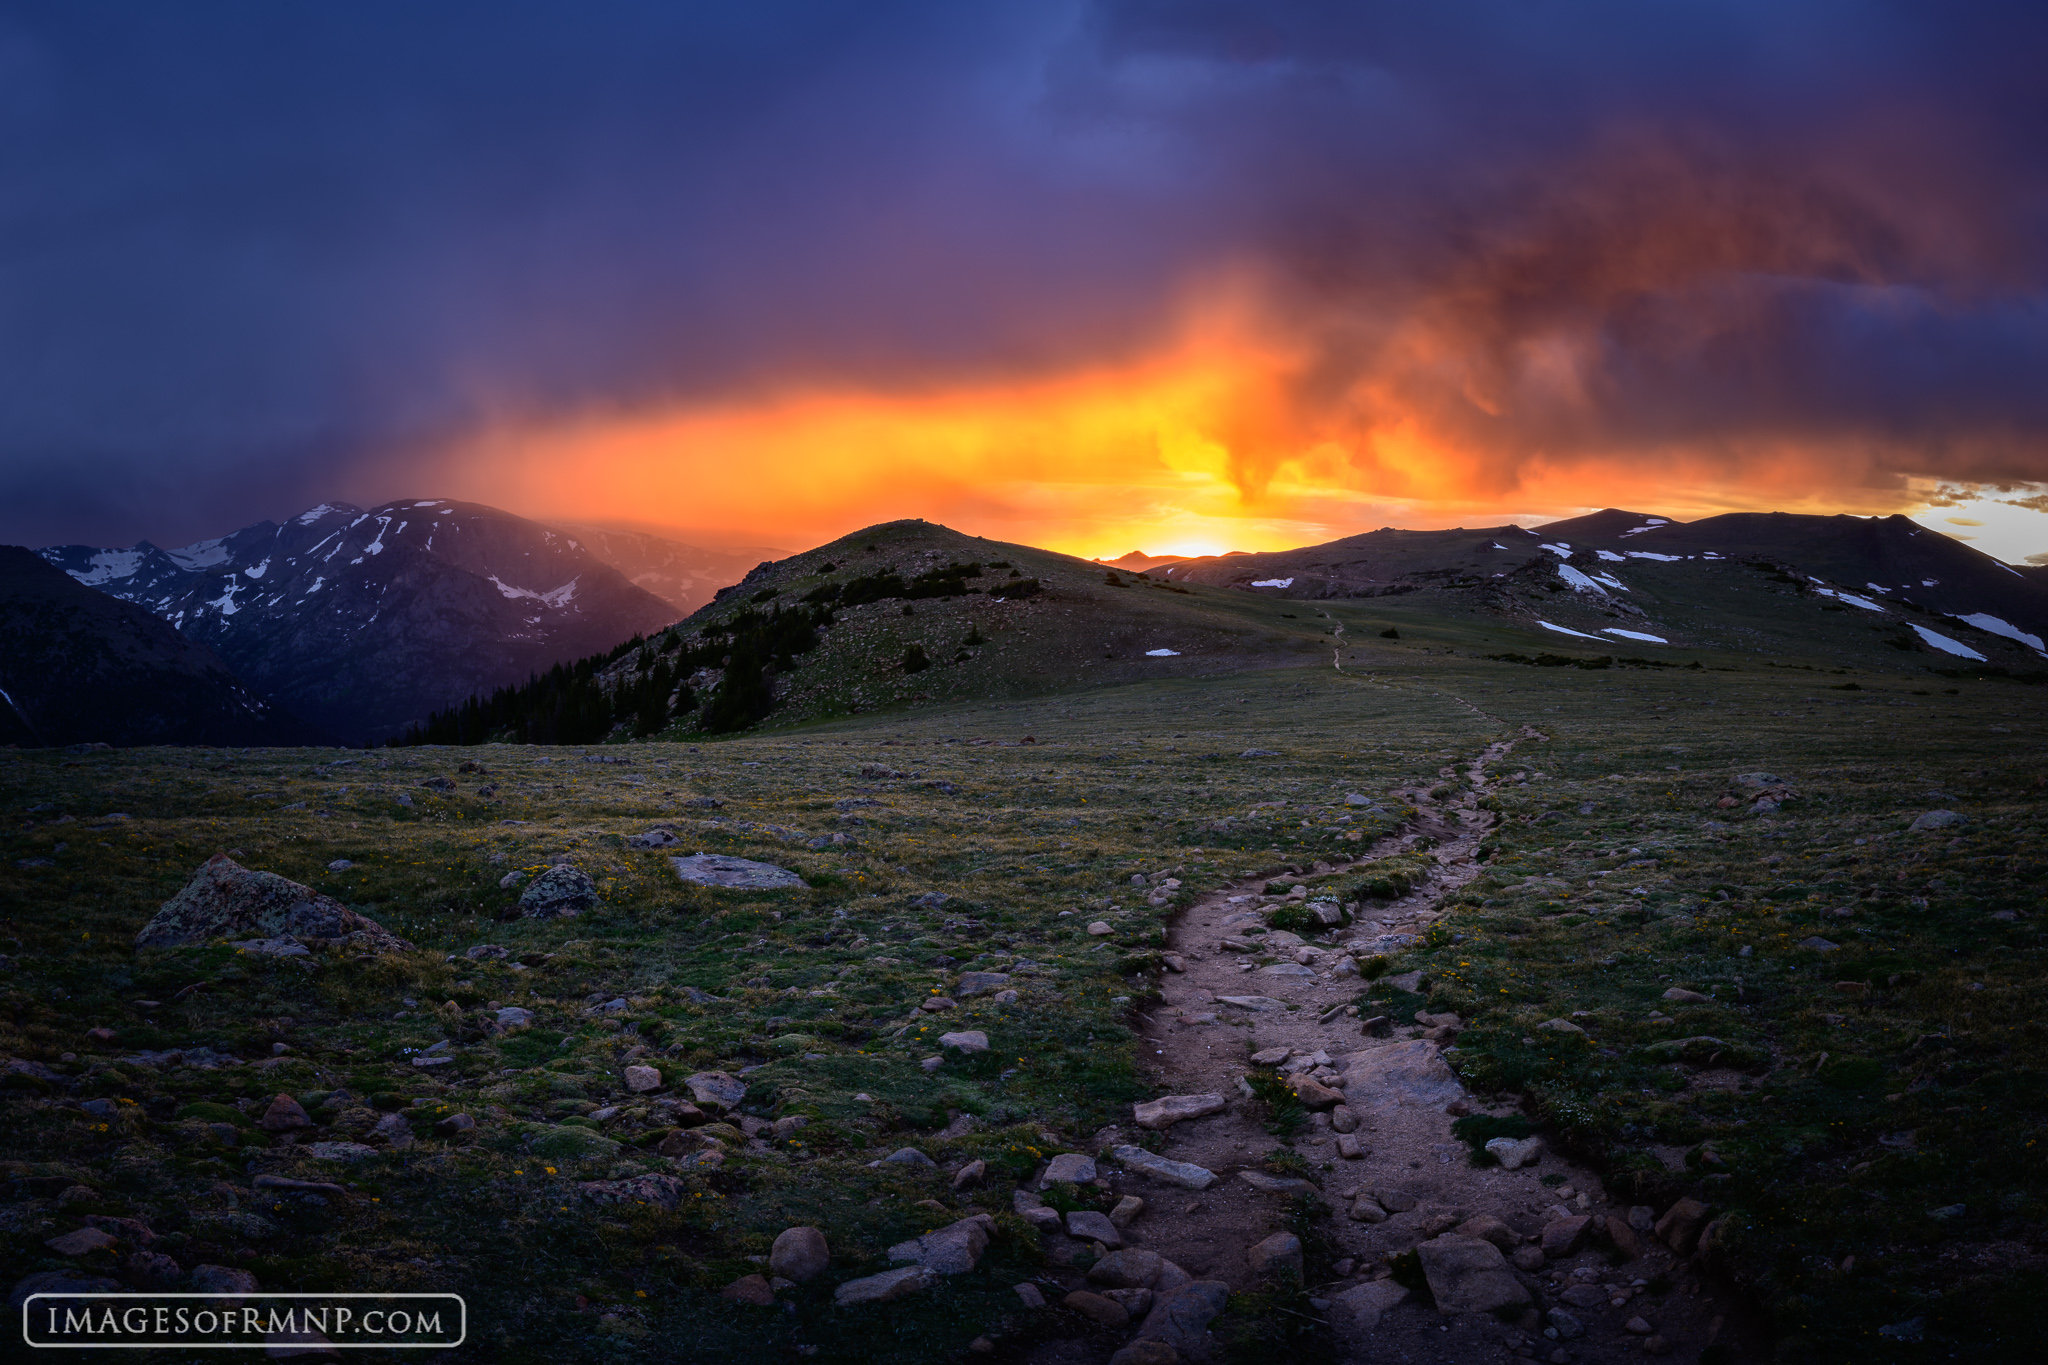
{"type": "Point", "coordinates": [1531, 1263]}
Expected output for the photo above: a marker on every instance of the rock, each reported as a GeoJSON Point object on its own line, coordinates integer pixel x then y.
{"type": "Point", "coordinates": [1127, 1210]}
{"type": "Point", "coordinates": [1624, 1238]}
{"type": "Point", "coordinates": [890, 1284]}
{"type": "Point", "coordinates": [285, 1182]}
{"type": "Point", "coordinates": [1365, 1209]}
{"type": "Point", "coordinates": [283, 1115]}
{"type": "Point", "coordinates": [226, 900]}
{"type": "Point", "coordinates": [641, 1079]}
{"type": "Point", "coordinates": [967, 1040]}
{"type": "Point", "coordinates": [1181, 1317]}
{"type": "Point", "coordinates": [1278, 1254]}
{"type": "Point", "coordinates": [1044, 1219]}
{"type": "Point", "coordinates": [339, 1151]}
{"type": "Point", "coordinates": [58, 1282]}
{"type": "Point", "coordinates": [716, 1089]}
{"type": "Point", "coordinates": [558, 893]}
{"type": "Point", "coordinates": [1272, 1056]}
{"type": "Point", "coordinates": [1174, 962]}
{"type": "Point", "coordinates": [1585, 1296]}
{"type": "Point", "coordinates": [1133, 1301]}
{"type": "Point", "coordinates": [1091, 1226]}
{"type": "Point", "coordinates": [1313, 1094]}
{"type": "Point", "coordinates": [1356, 1312]}
{"type": "Point", "coordinates": [454, 1125]}
{"type": "Point", "coordinates": [1287, 969]}
{"type": "Point", "coordinates": [1030, 1294]}
{"type": "Point", "coordinates": [658, 837]}
{"type": "Point", "coordinates": [1183, 1173]}
{"type": "Point", "coordinates": [799, 1254]}
{"type": "Point", "coordinates": [975, 983]}
{"type": "Point", "coordinates": [1275, 1184]}
{"type": "Point", "coordinates": [510, 880]}
{"type": "Point", "coordinates": [1469, 1276]}
{"type": "Point", "coordinates": [514, 1016]}
{"type": "Point", "coordinates": [936, 1004]}
{"type": "Point", "coordinates": [1146, 1352]}
{"type": "Point", "coordinates": [909, 1156]}
{"type": "Point", "coordinates": [716, 869]}
{"type": "Point", "coordinates": [1936, 819]}
{"type": "Point", "coordinates": [82, 1242]}
{"type": "Point", "coordinates": [1069, 1168]}
{"type": "Point", "coordinates": [1680, 1226]}
{"type": "Point", "coordinates": [1100, 929]}
{"type": "Point", "coordinates": [1568, 1326]}
{"type": "Point", "coordinates": [225, 1281]}
{"type": "Point", "coordinates": [1404, 1073]}
{"type": "Point", "coordinates": [1818, 944]}
{"type": "Point", "coordinates": [1100, 1309]}
{"type": "Point", "coordinates": [1130, 1268]}
{"type": "Point", "coordinates": [1686, 997]}
{"type": "Point", "coordinates": [1168, 1110]}
{"type": "Point", "coordinates": [1394, 1199]}
{"type": "Point", "coordinates": [752, 1289]}
{"type": "Point", "coordinates": [1513, 1154]}
{"type": "Point", "coordinates": [951, 1250]}
{"type": "Point", "coordinates": [1343, 1119]}
{"type": "Point", "coordinates": [1637, 1327]}
{"type": "Point", "coordinates": [1530, 1259]}
{"type": "Point", "coordinates": [1487, 1228]}
{"type": "Point", "coordinates": [1561, 1236]}
{"type": "Point", "coordinates": [1257, 1004]}
{"type": "Point", "coordinates": [1559, 1026]}
{"type": "Point", "coordinates": [970, 1174]}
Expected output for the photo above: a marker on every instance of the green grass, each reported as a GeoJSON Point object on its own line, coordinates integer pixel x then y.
{"type": "Point", "coordinates": [816, 987]}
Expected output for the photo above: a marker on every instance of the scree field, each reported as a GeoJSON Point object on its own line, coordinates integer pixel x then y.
{"type": "Point", "coordinates": [1850, 1080]}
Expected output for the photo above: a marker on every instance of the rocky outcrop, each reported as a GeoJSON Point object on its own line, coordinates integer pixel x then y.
{"type": "Point", "coordinates": [226, 900]}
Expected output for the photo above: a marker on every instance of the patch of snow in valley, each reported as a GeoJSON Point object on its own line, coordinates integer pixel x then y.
{"type": "Point", "coordinates": [1986, 622]}
{"type": "Point", "coordinates": [313, 514]}
{"type": "Point", "coordinates": [1652, 554]}
{"type": "Point", "coordinates": [554, 597]}
{"type": "Point", "coordinates": [201, 554]}
{"type": "Point", "coordinates": [1560, 549]}
{"type": "Point", "coordinates": [1566, 630]}
{"type": "Point", "coordinates": [1634, 635]}
{"type": "Point", "coordinates": [1948, 646]}
{"type": "Point", "coordinates": [258, 571]}
{"type": "Point", "coordinates": [1875, 588]}
{"type": "Point", "coordinates": [1496, 545]}
{"type": "Point", "coordinates": [1161, 653]}
{"type": "Point", "coordinates": [1650, 525]}
{"type": "Point", "coordinates": [1851, 598]}
{"type": "Point", "coordinates": [1578, 581]}
{"type": "Point", "coordinates": [109, 565]}
{"type": "Point", "coordinates": [1611, 581]}
{"type": "Point", "coordinates": [1273, 583]}
{"type": "Point", "coordinates": [1612, 557]}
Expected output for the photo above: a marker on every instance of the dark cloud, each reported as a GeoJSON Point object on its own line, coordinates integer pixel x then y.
{"type": "Point", "coordinates": [255, 255]}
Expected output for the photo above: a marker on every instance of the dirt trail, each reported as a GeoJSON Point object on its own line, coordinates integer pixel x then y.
{"type": "Point", "coordinates": [1198, 1043]}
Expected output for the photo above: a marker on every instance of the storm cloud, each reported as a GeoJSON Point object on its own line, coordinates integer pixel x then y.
{"type": "Point", "coordinates": [257, 255]}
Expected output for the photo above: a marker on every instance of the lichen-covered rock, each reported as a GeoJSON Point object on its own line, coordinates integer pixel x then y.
{"type": "Point", "coordinates": [716, 869]}
{"type": "Point", "coordinates": [557, 893]}
{"type": "Point", "coordinates": [226, 900]}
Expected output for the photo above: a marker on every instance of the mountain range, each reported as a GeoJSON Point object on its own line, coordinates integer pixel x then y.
{"type": "Point", "coordinates": [363, 621]}
{"type": "Point", "coordinates": [78, 666]}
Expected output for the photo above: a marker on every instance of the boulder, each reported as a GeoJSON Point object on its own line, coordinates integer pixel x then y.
{"type": "Point", "coordinates": [716, 869]}
{"type": "Point", "coordinates": [1257, 1004]}
{"type": "Point", "coordinates": [1134, 1301]}
{"type": "Point", "coordinates": [1404, 1073]}
{"type": "Point", "coordinates": [1366, 1209]}
{"type": "Point", "coordinates": [226, 900]}
{"type": "Point", "coordinates": [514, 1016]}
{"type": "Point", "coordinates": [283, 1115]}
{"type": "Point", "coordinates": [1278, 1254]}
{"type": "Point", "coordinates": [753, 1289]}
{"type": "Point", "coordinates": [1183, 1173]}
{"type": "Point", "coordinates": [1181, 1317]}
{"type": "Point", "coordinates": [1102, 1310]}
{"type": "Point", "coordinates": [558, 893]}
{"type": "Point", "coordinates": [966, 1040]}
{"type": "Point", "coordinates": [226, 1281]}
{"type": "Point", "coordinates": [1168, 1110]}
{"type": "Point", "coordinates": [1276, 1184]}
{"type": "Point", "coordinates": [1469, 1276]}
{"type": "Point", "coordinates": [1625, 1238]}
{"type": "Point", "coordinates": [1562, 1236]}
{"type": "Point", "coordinates": [1091, 1226]}
{"type": "Point", "coordinates": [1069, 1168]}
{"type": "Point", "coordinates": [1513, 1154]}
{"type": "Point", "coordinates": [1487, 1228]}
{"type": "Point", "coordinates": [661, 1191]}
{"type": "Point", "coordinates": [82, 1242]}
{"type": "Point", "coordinates": [975, 983]}
{"type": "Point", "coordinates": [1686, 997]}
{"type": "Point", "coordinates": [1029, 1294]}
{"type": "Point", "coordinates": [1936, 819]}
{"type": "Point", "coordinates": [951, 1250]}
{"type": "Point", "coordinates": [1313, 1094]}
{"type": "Point", "coordinates": [1680, 1226]}
{"type": "Point", "coordinates": [716, 1089]}
{"type": "Point", "coordinates": [882, 1288]}
{"type": "Point", "coordinates": [58, 1282]}
{"type": "Point", "coordinates": [1130, 1268]}
{"type": "Point", "coordinates": [640, 1079]}
{"type": "Point", "coordinates": [1354, 1313]}
{"type": "Point", "coordinates": [799, 1254]}
{"type": "Point", "coordinates": [970, 1174]}
{"type": "Point", "coordinates": [1344, 1119]}
{"type": "Point", "coordinates": [659, 837]}
{"type": "Point", "coordinates": [1145, 1351]}
{"type": "Point", "coordinates": [909, 1156]}
{"type": "Point", "coordinates": [1127, 1210]}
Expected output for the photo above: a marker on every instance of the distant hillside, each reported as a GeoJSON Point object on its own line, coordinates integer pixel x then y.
{"type": "Point", "coordinates": [366, 621]}
{"type": "Point", "coordinates": [680, 574]}
{"type": "Point", "coordinates": [1137, 561]}
{"type": "Point", "coordinates": [77, 666]}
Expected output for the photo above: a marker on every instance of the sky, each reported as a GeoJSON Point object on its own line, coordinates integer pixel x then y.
{"type": "Point", "coordinates": [1171, 275]}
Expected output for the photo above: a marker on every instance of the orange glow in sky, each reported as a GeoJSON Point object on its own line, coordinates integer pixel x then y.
{"type": "Point", "coordinates": [1222, 439]}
